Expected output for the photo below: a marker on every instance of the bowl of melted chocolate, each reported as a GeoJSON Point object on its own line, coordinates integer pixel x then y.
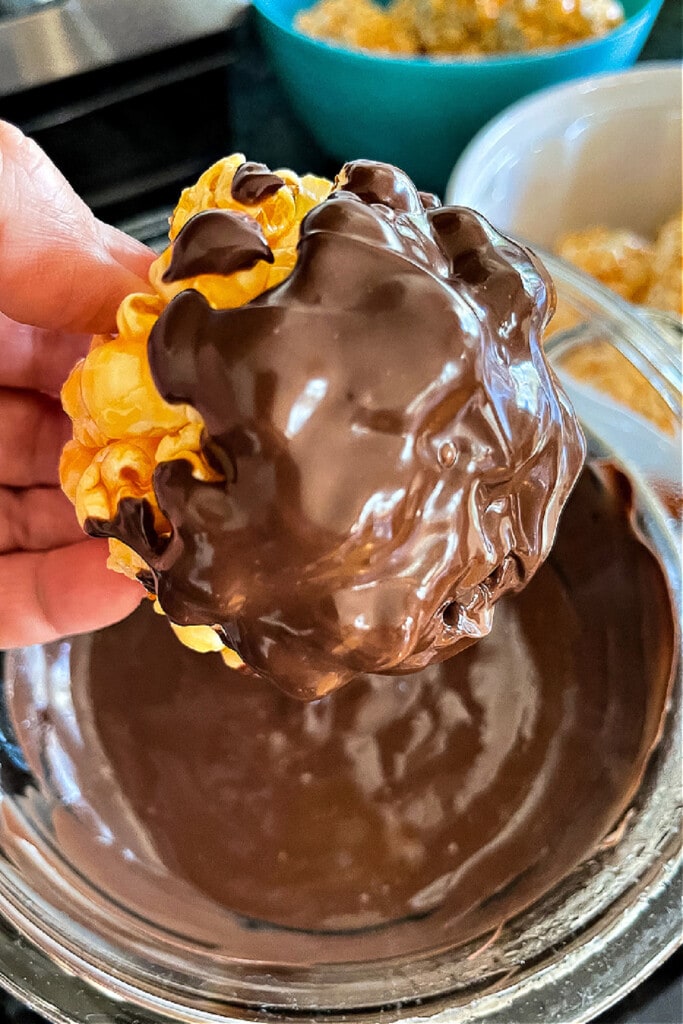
{"type": "Point", "coordinates": [489, 837]}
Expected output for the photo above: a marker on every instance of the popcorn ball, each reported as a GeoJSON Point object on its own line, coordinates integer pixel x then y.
{"type": "Point", "coordinates": [327, 441]}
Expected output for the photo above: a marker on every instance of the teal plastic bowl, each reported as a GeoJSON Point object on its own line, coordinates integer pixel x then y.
{"type": "Point", "coordinates": [416, 112]}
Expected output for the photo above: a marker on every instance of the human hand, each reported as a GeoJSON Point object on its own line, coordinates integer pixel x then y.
{"type": "Point", "coordinates": [62, 272]}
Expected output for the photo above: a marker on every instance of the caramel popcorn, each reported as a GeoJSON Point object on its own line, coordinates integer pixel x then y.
{"type": "Point", "coordinates": [602, 366]}
{"type": "Point", "coordinates": [643, 272]}
{"type": "Point", "coordinates": [459, 27]}
{"type": "Point", "coordinates": [666, 290]}
{"type": "Point", "coordinates": [621, 260]}
{"type": "Point", "coordinates": [122, 428]}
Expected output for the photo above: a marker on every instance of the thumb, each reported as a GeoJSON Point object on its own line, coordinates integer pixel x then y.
{"type": "Point", "coordinates": [49, 594]}
{"type": "Point", "coordinates": [61, 268]}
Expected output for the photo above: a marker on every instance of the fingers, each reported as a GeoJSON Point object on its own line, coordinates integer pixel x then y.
{"type": "Point", "coordinates": [36, 519]}
{"type": "Point", "coordinates": [63, 271]}
{"type": "Point", "coordinates": [31, 357]}
{"type": "Point", "coordinates": [61, 268]}
{"type": "Point", "coordinates": [67, 590]}
{"type": "Point", "coordinates": [33, 431]}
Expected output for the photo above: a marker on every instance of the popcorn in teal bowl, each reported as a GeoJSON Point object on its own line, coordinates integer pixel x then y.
{"type": "Point", "coordinates": [420, 112]}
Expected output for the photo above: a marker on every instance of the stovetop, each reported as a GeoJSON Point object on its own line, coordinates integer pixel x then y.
{"type": "Point", "coordinates": [129, 137]}
{"type": "Point", "coordinates": [52, 40]}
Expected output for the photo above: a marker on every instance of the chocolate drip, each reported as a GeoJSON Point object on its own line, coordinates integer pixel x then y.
{"type": "Point", "coordinates": [134, 520]}
{"type": "Point", "coordinates": [380, 183]}
{"type": "Point", "coordinates": [429, 200]}
{"type": "Point", "coordinates": [253, 183]}
{"type": "Point", "coordinates": [397, 444]}
{"type": "Point", "coordinates": [146, 577]}
{"type": "Point", "coordinates": [217, 242]}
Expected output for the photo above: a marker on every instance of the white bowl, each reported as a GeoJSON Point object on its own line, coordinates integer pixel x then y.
{"type": "Point", "coordinates": [601, 150]}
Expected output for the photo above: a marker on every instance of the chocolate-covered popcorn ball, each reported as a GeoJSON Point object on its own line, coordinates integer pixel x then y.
{"type": "Point", "coordinates": [339, 443]}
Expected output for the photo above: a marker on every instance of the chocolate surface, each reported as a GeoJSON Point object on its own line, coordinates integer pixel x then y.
{"type": "Point", "coordinates": [254, 182]}
{"type": "Point", "coordinates": [217, 242]}
{"type": "Point", "coordinates": [393, 815]}
{"type": "Point", "coordinates": [396, 451]}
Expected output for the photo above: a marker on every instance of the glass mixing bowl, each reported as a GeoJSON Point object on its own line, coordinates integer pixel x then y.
{"type": "Point", "coordinates": [572, 954]}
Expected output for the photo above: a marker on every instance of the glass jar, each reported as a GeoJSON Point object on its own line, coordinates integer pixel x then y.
{"type": "Point", "coordinates": [568, 957]}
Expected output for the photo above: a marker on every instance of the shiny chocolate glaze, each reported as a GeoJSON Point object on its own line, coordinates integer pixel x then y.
{"type": "Point", "coordinates": [254, 182]}
{"type": "Point", "coordinates": [396, 451]}
{"type": "Point", "coordinates": [393, 815]}
{"type": "Point", "coordinates": [217, 242]}
{"type": "Point", "coordinates": [429, 200]}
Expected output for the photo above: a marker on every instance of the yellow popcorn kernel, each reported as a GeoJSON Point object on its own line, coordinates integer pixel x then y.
{"type": "Point", "coordinates": [118, 391]}
{"type": "Point", "coordinates": [642, 272]}
{"type": "Point", "coordinates": [74, 462]}
{"type": "Point", "coordinates": [359, 24]}
{"type": "Point", "coordinates": [554, 23]}
{"type": "Point", "coordinates": [202, 639]}
{"type": "Point", "coordinates": [199, 638]}
{"type": "Point", "coordinates": [666, 291]}
{"type": "Point", "coordinates": [621, 260]}
{"type": "Point", "coordinates": [122, 427]}
{"type": "Point", "coordinates": [231, 658]}
{"type": "Point", "coordinates": [124, 560]}
{"type": "Point", "coordinates": [459, 27]}
{"type": "Point", "coordinates": [186, 444]}
{"type": "Point", "coordinates": [220, 291]}
{"type": "Point", "coordinates": [122, 469]}
{"type": "Point", "coordinates": [604, 367]}
{"type": "Point", "coordinates": [278, 214]}
{"type": "Point", "coordinates": [202, 195]}
{"type": "Point", "coordinates": [312, 190]}
{"type": "Point", "coordinates": [137, 315]}
{"type": "Point", "coordinates": [85, 430]}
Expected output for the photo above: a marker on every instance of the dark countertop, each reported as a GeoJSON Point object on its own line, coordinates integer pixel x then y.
{"type": "Point", "coordinates": [231, 78]}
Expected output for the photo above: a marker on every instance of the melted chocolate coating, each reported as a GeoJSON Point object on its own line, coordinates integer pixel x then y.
{"type": "Point", "coordinates": [254, 182]}
{"type": "Point", "coordinates": [217, 242]}
{"type": "Point", "coordinates": [381, 183]}
{"type": "Point", "coordinates": [448, 800]}
{"type": "Point", "coordinates": [429, 200]}
{"type": "Point", "coordinates": [134, 520]}
{"type": "Point", "coordinates": [398, 446]}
